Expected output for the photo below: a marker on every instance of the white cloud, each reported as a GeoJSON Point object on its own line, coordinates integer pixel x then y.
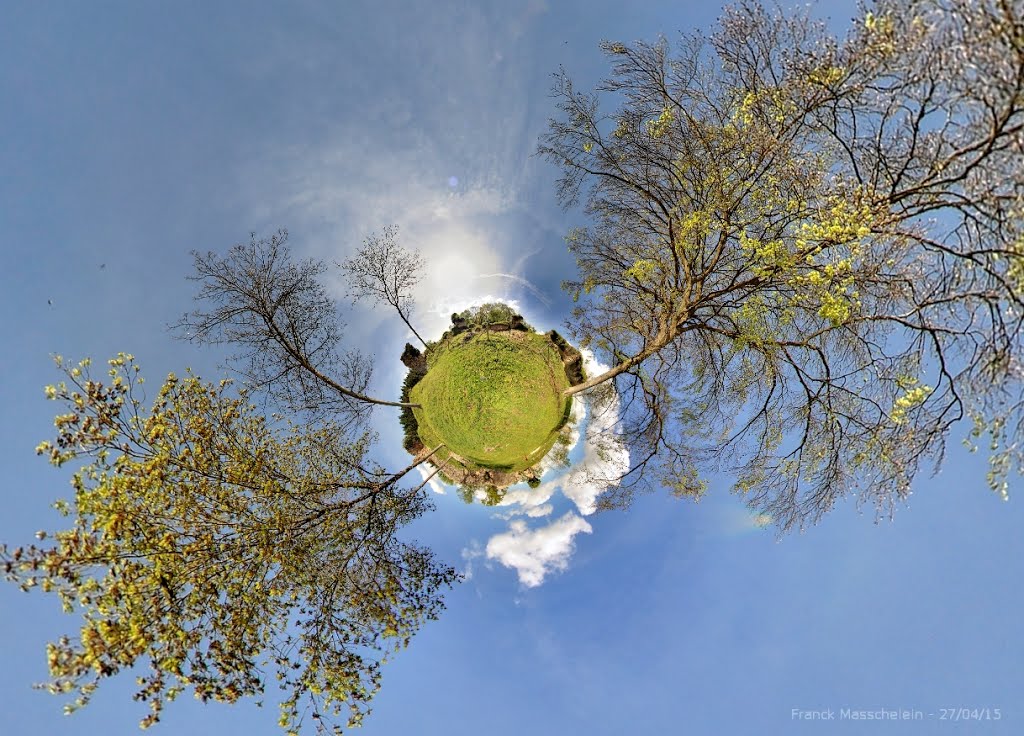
{"type": "Point", "coordinates": [536, 512]}
{"type": "Point", "coordinates": [535, 553]}
{"type": "Point", "coordinates": [604, 457]}
{"type": "Point", "coordinates": [527, 500]}
{"type": "Point", "coordinates": [583, 491]}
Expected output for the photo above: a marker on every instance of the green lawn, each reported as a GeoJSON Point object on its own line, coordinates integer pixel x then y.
{"type": "Point", "coordinates": [495, 400]}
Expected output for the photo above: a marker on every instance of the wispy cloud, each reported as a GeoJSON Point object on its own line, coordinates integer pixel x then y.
{"type": "Point", "coordinates": [736, 520]}
{"type": "Point", "coordinates": [418, 139]}
{"type": "Point", "coordinates": [541, 297]}
{"type": "Point", "coordinates": [470, 553]}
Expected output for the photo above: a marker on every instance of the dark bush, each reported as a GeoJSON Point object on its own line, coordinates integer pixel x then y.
{"type": "Point", "coordinates": [411, 440]}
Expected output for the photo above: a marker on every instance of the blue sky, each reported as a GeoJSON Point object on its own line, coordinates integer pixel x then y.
{"type": "Point", "coordinates": [131, 133]}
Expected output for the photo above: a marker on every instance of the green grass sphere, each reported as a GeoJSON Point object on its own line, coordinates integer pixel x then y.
{"type": "Point", "coordinates": [494, 399]}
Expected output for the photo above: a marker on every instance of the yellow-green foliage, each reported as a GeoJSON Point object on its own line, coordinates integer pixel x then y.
{"type": "Point", "coordinates": [1015, 266]}
{"type": "Point", "coordinates": [657, 127]}
{"type": "Point", "coordinates": [770, 104]}
{"type": "Point", "coordinates": [913, 396]}
{"type": "Point", "coordinates": [1003, 446]}
{"type": "Point", "coordinates": [641, 270]}
{"type": "Point", "coordinates": [495, 400]}
{"type": "Point", "coordinates": [816, 262]}
{"type": "Point", "coordinates": [213, 547]}
{"type": "Point", "coordinates": [827, 75]}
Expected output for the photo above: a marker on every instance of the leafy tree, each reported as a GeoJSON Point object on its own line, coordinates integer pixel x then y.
{"type": "Point", "coordinates": [489, 314]}
{"type": "Point", "coordinates": [225, 551]}
{"type": "Point", "coordinates": [806, 261]}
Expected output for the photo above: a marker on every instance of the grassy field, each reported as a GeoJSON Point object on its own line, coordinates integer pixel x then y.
{"type": "Point", "coordinates": [494, 400]}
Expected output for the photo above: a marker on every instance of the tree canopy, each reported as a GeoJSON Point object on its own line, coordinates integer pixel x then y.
{"type": "Point", "coordinates": [805, 258]}
{"type": "Point", "coordinates": [225, 551]}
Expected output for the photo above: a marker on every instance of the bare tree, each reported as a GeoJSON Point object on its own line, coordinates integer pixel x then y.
{"type": "Point", "coordinates": [286, 327]}
{"type": "Point", "coordinates": [382, 270]}
{"type": "Point", "coordinates": [806, 262]}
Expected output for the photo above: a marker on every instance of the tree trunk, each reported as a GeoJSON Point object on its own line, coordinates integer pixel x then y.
{"type": "Point", "coordinates": [662, 339]}
{"type": "Point", "coordinates": [409, 325]}
{"type": "Point", "coordinates": [436, 471]}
